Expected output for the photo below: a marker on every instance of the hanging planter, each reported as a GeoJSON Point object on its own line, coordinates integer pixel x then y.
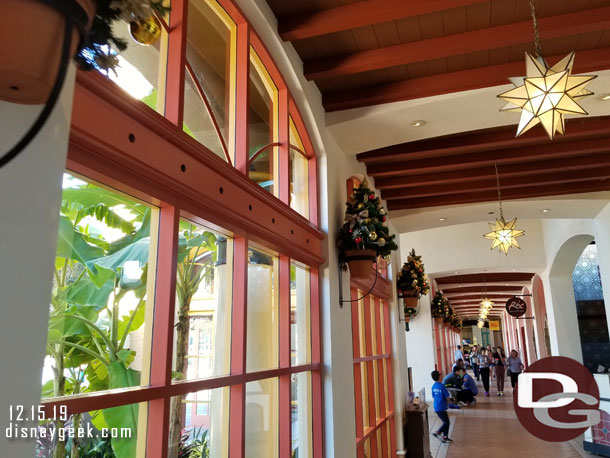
{"type": "Point", "coordinates": [437, 307]}
{"type": "Point", "coordinates": [30, 54]}
{"type": "Point", "coordinates": [411, 284]}
{"type": "Point", "coordinates": [364, 236]}
{"type": "Point", "coordinates": [40, 37]}
{"type": "Point", "coordinates": [360, 262]}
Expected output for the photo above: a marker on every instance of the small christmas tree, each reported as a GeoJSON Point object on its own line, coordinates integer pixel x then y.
{"type": "Point", "coordinates": [438, 305]}
{"type": "Point", "coordinates": [364, 226]}
{"type": "Point", "coordinates": [412, 280]}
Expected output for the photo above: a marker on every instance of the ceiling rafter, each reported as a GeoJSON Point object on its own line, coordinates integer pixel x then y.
{"type": "Point", "coordinates": [353, 15]}
{"type": "Point", "coordinates": [558, 26]}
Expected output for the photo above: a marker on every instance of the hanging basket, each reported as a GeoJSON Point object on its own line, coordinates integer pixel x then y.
{"type": "Point", "coordinates": [438, 320]}
{"type": "Point", "coordinates": [31, 35]}
{"type": "Point", "coordinates": [410, 301]}
{"type": "Point", "coordinates": [360, 262]}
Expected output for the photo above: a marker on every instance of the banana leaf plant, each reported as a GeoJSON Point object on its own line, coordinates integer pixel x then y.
{"type": "Point", "coordinates": [197, 256]}
{"type": "Point", "coordinates": [88, 337]}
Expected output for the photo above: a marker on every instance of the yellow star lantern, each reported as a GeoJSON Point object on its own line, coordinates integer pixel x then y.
{"type": "Point", "coordinates": [546, 94]}
{"type": "Point", "coordinates": [504, 235]}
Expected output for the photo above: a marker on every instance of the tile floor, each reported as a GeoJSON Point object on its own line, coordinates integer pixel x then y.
{"type": "Point", "coordinates": [492, 429]}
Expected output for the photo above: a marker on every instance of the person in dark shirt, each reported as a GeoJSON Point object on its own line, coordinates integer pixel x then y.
{"type": "Point", "coordinates": [440, 396]}
{"type": "Point", "coordinates": [455, 380]}
{"type": "Point", "coordinates": [499, 362]}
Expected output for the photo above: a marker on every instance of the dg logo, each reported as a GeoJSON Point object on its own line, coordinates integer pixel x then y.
{"type": "Point", "coordinates": [557, 399]}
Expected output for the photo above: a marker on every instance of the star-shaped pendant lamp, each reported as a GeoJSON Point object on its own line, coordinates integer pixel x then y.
{"type": "Point", "coordinates": [546, 94]}
{"type": "Point", "coordinates": [503, 234]}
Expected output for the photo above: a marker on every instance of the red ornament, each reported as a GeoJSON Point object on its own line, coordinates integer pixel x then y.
{"type": "Point", "coordinates": [383, 219]}
{"type": "Point", "coordinates": [371, 196]}
{"type": "Point", "coordinates": [358, 239]}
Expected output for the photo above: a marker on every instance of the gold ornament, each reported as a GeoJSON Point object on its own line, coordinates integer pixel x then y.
{"type": "Point", "coordinates": [360, 206]}
{"type": "Point", "coordinates": [504, 235]}
{"type": "Point", "coordinates": [146, 32]}
{"type": "Point", "coordinates": [381, 242]}
{"type": "Point", "coordinates": [367, 220]}
{"type": "Point", "coordinates": [373, 236]}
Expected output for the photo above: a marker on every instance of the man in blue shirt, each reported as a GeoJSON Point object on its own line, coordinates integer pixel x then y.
{"type": "Point", "coordinates": [470, 386]}
{"type": "Point", "coordinates": [440, 396]}
{"type": "Point", "coordinates": [458, 353]}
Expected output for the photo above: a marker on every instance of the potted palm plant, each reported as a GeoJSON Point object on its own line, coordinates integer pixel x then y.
{"type": "Point", "coordinates": [364, 236]}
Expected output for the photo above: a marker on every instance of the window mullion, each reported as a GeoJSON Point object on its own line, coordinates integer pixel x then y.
{"type": "Point", "coordinates": [285, 421]}
{"type": "Point", "coordinates": [242, 78]}
{"type": "Point", "coordinates": [284, 149]}
{"type": "Point", "coordinates": [237, 409]}
{"type": "Point", "coordinates": [176, 60]}
{"type": "Point", "coordinates": [162, 344]}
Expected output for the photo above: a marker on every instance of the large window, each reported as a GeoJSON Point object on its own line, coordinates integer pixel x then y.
{"type": "Point", "coordinates": [184, 313]}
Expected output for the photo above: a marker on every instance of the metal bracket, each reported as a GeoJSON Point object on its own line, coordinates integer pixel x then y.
{"type": "Point", "coordinates": [341, 300]}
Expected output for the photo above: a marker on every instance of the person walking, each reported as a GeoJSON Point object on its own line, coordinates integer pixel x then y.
{"type": "Point", "coordinates": [458, 353]}
{"type": "Point", "coordinates": [440, 394]}
{"type": "Point", "coordinates": [484, 360]}
{"type": "Point", "coordinates": [490, 352]}
{"type": "Point", "coordinates": [515, 366]}
{"type": "Point", "coordinates": [474, 361]}
{"type": "Point", "coordinates": [499, 362]}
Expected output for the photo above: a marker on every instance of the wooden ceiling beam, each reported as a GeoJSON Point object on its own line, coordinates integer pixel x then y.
{"type": "Point", "coordinates": [578, 163]}
{"type": "Point", "coordinates": [486, 140]}
{"type": "Point", "coordinates": [509, 194]}
{"type": "Point", "coordinates": [543, 178]}
{"type": "Point", "coordinates": [446, 83]}
{"type": "Point", "coordinates": [506, 156]}
{"type": "Point", "coordinates": [487, 277]}
{"type": "Point", "coordinates": [360, 14]}
{"type": "Point", "coordinates": [561, 25]}
{"type": "Point", "coordinates": [480, 289]}
{"type": "Point", "coordinates": [479, 297]}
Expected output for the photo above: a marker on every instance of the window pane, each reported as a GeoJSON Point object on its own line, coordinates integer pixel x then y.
{"type": "Point", "coordinates": [261, 102]}
{"type": "Point", "coordinates": [262, 419]}
{"type": "Point", "coordinates": [202, 334]}
{"type": "Point", "coordinates": [262, 311]}
{"type": "Point", "coordinates": [102, 432]}
{"type": "Point", "coordinates": [202, 430]}
{"type": "Point", "coordinates": [300, 323]}
{"type": "Point", "coordinates": [301, 415]}
{"type": "Point", "coordinates": [208, 50]}
{"type": "Point", "coordinates": [100, 318]}
{"type": "Point", "coordinates": [141, 69]}
{"type": "Point", "coordinates": [299, 174]}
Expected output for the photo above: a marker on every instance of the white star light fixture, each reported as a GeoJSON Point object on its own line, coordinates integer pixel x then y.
{"type": "Point", "coordinates": [504, 235]}
{"type": "Point", "coordinates": [546, 94]}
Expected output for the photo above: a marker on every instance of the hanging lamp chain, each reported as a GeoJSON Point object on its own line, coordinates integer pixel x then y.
{"type": "Point", "coordinates": [499, 193]}
{"type": "Point", "coordinates": [536, 31]}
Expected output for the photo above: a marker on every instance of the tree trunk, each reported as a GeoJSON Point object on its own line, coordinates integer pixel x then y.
{"type": "Point", "coordinates": [182, 343]}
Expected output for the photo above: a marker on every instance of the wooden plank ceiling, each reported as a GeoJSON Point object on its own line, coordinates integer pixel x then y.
{"type": "Point", "coordinates": [465, 292]}
{"type": "Point", "coordinates": [363, 53]}
{"type": "Point", "coordinates": [459, 169]}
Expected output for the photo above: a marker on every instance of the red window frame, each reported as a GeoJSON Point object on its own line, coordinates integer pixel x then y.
{"type": "Point", "coordinates": [123, 144]}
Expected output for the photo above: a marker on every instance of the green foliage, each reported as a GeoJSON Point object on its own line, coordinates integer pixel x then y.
{"type": "Point", "coordinates": [87, 333]}
{"type": "Point", "coordinates": [364, 226]}
{"type": "Point", "coordinates": [438, 305]}
{"type": "Point", "coordinates": [194, 444]}
{"type": "Point", "coordinates": [411, 279]}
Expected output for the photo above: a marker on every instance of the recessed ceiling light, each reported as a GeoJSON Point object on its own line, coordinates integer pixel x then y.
{"type": "Point", "coordinates": [418, 123]}
{"type": "Point", "coordinates": [456, 272]}
{"type": "Point", "coordinates": [605, 96]}
{"type": "Point", "coordinates": [546, 210]}
{"type": "Point", "coordinates": [442, 219]}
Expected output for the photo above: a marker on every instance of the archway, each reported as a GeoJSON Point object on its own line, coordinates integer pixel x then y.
{"type": "Point", "coordinates": [565, 340]}
{"type": "Point", "coordinates": [591, 311]}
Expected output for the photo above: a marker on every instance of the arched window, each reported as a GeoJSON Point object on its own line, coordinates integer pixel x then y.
{"type": "Point", "coordinates": [186, 298]}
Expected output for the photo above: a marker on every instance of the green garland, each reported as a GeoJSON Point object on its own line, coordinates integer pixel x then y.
{"type": "Point", "coordinates": [364, 226]}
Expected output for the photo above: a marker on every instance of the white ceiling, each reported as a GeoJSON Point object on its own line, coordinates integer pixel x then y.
{"type": "Point", "coordinates": [364, 129]}
{"type": "Point", "coordinates": [579, 206]}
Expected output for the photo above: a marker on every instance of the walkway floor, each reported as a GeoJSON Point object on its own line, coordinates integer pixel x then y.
{"type": "Point", "coordinates": [492, 429]}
